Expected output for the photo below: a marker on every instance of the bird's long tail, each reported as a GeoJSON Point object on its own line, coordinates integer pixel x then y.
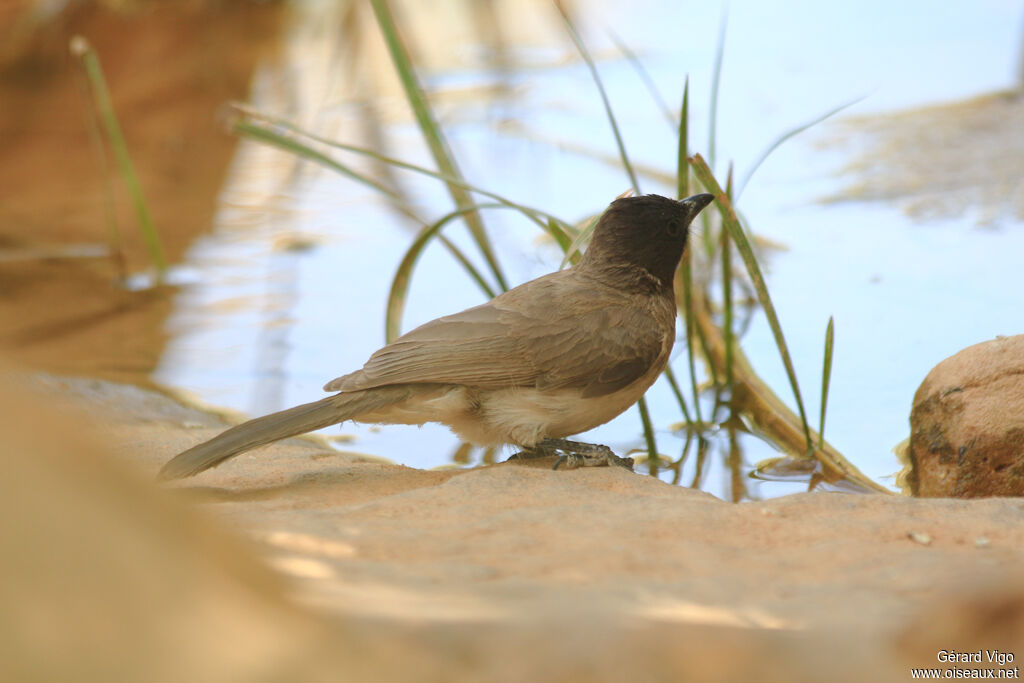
{"type": "Point", "coordinates": [281, 425]}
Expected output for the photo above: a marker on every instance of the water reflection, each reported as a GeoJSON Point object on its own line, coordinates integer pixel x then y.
{"type": "Point", "coordinates": [169, 69]}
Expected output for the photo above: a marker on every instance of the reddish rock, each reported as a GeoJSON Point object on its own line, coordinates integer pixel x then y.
{"type": "Point", "coordinates": [967, 424]}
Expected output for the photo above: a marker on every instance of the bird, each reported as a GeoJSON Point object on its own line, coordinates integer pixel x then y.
{"type": "Point", "coordinates": [549, 359]}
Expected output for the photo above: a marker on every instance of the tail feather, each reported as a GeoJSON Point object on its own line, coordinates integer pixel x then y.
{"type": "Point", "coordinates": [276, 426]}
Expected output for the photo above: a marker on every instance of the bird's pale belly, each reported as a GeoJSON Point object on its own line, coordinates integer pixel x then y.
{"type": "Point", "coordinates": [521, 416]}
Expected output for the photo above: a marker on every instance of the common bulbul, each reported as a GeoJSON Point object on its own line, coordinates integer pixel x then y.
{"type": "Point", "coordinates": [553, 357]}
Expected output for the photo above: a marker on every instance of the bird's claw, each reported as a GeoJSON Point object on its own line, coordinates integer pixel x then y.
{"type": "Point", "coordinates": [576, 455]}
{"type": "Point", "coordinates": [572, 461]}
{"type": "Point", "coordinates": [573, 455]}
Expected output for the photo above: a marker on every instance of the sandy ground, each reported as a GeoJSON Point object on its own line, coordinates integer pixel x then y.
{"type": "Point", "coordinates": [509, 571]}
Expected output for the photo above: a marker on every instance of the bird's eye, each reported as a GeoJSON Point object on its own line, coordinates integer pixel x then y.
{"type": "Point", "coordinates": [674, 227]}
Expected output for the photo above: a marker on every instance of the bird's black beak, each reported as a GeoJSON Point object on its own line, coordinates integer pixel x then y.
{"type": "Point", "coordinates": [695, 204]}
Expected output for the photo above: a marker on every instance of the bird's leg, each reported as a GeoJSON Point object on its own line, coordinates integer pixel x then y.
{"type": "Point", "coordinates": [578, 454]}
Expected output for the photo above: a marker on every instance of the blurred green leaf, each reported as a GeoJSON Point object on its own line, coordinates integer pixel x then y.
{"type": "Point", "coordinates": [433, 134]}
{"type": "Point", "coordinates": [604, 99]}
{"type": "Point", "coordinates": [81, 48]}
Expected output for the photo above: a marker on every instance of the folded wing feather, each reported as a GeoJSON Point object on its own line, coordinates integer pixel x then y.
{"type": "Point", "coordinates": [522, 339]}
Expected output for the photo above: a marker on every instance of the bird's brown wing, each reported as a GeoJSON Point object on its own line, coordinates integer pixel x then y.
{"type": "Point", "coordinates": [600, 350]}
{"type": "Point", "coordinates": [474, 347]}
{"type": "Point", "coordinates": [555, 332]}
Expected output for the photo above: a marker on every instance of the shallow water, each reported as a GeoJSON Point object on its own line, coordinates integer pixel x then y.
{"type": "Point", "coordinates": [289, 287]}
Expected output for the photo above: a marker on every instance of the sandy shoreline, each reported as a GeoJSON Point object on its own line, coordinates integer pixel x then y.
{"type": "Point", "coordinates": [582, 572]}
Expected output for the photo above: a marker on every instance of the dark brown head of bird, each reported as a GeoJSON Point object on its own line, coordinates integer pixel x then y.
{"type": "Point", "coordinates": [647, 232]}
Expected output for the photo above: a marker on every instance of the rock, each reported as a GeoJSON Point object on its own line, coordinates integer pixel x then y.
{"type": "Point", "coordinates": [967, 424]}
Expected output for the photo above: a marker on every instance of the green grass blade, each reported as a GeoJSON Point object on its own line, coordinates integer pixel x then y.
{"type": "Point", "coordinates": [826, 378]}
{"type": "Point", "coordinates": [683, 191]}
{"type": "Point", "coordinates": [433, 134]}
{"type": "Point", "coordinates": [716, 81]}
{"type": "Point", "coordinates": [653, 459]}
{"type": "Point", "coordinates": [575, 248]}
{"type": "Point", "coordinates": [728, 334]}
{"type": "Point", "coordinates": [646, 79]}
{"type": "Point", "coordinates": [701, 465]}
{"type": "Point", "coordinates": [81, 48]}
{"type": "Point", "coordinates": [684, 452]}
{"type": "Point", "coordinates": [732, 224]}
{"type": "Point", "coordinates": [96, 141]}
{"type": "Point", "coordinates": [787, 135]}
{"type": "Point", "coordinates": [728, 324]}
{"type": "Point", "coordinates": [604, 97]}
{"type": "Point", "coordinates": [275, 139]}
{"type": "Point", "coordinates": [560, 234]}
{"type": "Point", "coordinates": [691, 356]}
{"type": "Point", "coordinates": [400, 283]}
{"type": "Point", "coordinates": [670, 375]}
{"type": "Point", "coordinates": [682, 159]}
{"type": "Point", "coordinates": [734, 461]}
{"type": "Point", "coordinates": [468, 266]}
{"type": "Point", "coordinates": [245, 126]}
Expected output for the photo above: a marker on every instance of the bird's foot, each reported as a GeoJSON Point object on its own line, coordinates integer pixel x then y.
{"type": "Point", "coordinates": [532, 453]}
{"type": "Point", "coordinates": [576, 454]}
